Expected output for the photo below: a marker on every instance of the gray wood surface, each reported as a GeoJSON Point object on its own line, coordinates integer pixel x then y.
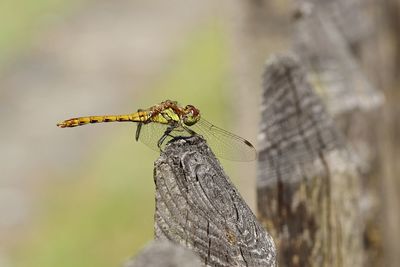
{"type": "Point", "coordinates": [308, 185]}
{"type": "Point", "coordinates": [199, 208]}
{"type": "Point", "coordinates": [162, 253]}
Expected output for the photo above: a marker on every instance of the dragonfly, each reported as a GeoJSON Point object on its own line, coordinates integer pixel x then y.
{"type": "Point", "coordinates": [159, 124]}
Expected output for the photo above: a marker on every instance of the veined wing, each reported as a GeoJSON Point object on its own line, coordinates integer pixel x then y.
{"type": "Point", "coordinates": [225, 144]}
{"type": "Point", "coordinates": [151, 133]}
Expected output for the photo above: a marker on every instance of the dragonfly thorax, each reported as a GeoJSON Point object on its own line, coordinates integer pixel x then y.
{"type": "Point", "coordinates": [191, 115]}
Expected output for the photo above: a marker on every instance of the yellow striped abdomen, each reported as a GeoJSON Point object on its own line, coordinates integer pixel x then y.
{"type": "Point", "coordinates": [141, 116]}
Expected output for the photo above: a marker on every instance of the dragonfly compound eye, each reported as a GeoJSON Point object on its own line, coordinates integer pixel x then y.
{"type": "Point", "coordinates": [192, 115]}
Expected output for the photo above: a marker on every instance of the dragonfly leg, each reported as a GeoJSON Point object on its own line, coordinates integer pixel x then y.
{"type": "Point", "coordinates": [189, 130]}
{"type": "Point", "coordinates": [138, 128]}
{"type": "Point", "coordinates": [165, 135]}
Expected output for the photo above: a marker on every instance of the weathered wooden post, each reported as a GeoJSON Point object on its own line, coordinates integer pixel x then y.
{"type": "Point", "coordinates": [329, 39]}
{"type": "Point", "coordinates": [308, 187]}
{"type": "Point", "coordinates": [197, 207]}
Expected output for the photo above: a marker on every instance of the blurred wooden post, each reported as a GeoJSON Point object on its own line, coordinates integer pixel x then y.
{"type": "Point", "coordinates": [308, 186]}
{"type": "Point", "coordinates": [328, 38]}
{"type": "Point", "coordinates": [386, 66]}
{"type": "Point", "coordinates": [199, 208]}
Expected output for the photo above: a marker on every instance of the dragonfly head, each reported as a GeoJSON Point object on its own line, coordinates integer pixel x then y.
{"type": "Point", "coordinates": [191, 115]}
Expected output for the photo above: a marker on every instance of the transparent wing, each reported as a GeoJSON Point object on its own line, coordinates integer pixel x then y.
{"type": "Point", "coordinates": [151, 133]}
{"type": "Point", "coordinates": [225, 144]}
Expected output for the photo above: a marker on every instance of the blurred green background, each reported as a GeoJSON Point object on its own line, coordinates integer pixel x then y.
{"type": "Point", "coordinates": [85, 197]}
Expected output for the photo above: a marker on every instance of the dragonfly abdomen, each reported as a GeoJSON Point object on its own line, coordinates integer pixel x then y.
{"type": "Point", "coordinates": [135, 117]}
